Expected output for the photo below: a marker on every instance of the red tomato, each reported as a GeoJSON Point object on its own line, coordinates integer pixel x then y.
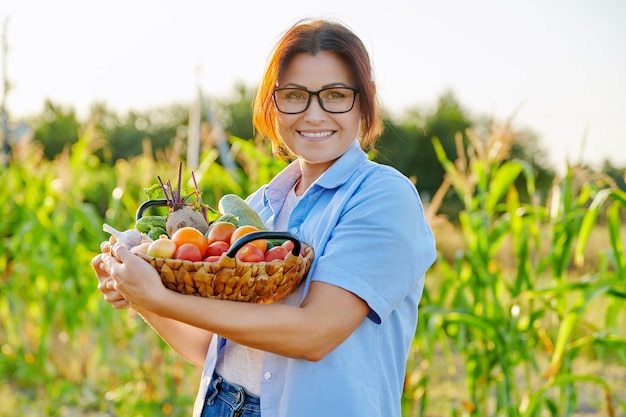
{"type": "Point", "coordinates": [212, 258]}
{"type": "Point", "coordinates": [244, 230]}
{"type": "Point", "coordinates": [220, 231]}
{"type": "Point", "coordinates": [288, 244]}
{"type": "Point", "coordinates": [250, 253]}
{"type": "Point", "coordinates": [217, 248]}
{"type": "Point", "coordinates": [188, 251]}
{"type": "Point", "coordinates": [277, 252]}
{"type": "Point", "coordinates": [190, 235]}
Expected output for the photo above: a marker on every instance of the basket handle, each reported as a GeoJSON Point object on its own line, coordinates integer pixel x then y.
{"type": "Point", "coordinates": [264, 234]}
{"type": "Point", "coordinates": [147, 204]}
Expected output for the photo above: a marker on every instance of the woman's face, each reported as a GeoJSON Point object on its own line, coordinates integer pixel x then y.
{"type": "Point", "coordinates": [316, 136]}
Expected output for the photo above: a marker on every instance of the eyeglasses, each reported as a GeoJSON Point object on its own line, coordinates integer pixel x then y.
{"type": "Point", "coordinates": [333, 99]}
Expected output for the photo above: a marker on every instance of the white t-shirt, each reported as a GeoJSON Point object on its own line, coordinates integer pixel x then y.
{"type": "Point", "coordinates": [240, 364]}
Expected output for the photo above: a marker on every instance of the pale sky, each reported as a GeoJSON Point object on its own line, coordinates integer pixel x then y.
{"type": "Point", "coordinates": [557, 66]}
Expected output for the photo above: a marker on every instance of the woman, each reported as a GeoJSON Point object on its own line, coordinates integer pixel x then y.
{"type": "Point", "coordinates": [338, 345]}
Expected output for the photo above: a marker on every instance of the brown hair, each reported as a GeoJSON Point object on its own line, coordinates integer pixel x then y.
{"type": "Point", "coordinates": [312, 37]}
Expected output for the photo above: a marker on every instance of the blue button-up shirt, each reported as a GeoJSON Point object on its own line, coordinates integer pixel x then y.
{"type": "Point", "coordinates": [366, 224]}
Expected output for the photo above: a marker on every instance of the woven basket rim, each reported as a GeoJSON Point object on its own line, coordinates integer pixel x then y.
{"type": "Point", "coordinates": [257, 282]}
{"type": "Point", "coordinates": [308, 251]}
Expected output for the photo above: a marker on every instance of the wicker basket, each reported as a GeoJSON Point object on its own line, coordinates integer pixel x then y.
{"type": "Point", "coordinates": [231, 279]}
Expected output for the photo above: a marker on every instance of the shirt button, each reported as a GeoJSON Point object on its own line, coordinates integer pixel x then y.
{"type": "Point", "coordinates": [267, 375]}
{"type": "Point", "coordinates": [294, 230]}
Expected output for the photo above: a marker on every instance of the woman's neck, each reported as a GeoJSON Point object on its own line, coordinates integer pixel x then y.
{"type": "Point", "coordinates": [310, 173]}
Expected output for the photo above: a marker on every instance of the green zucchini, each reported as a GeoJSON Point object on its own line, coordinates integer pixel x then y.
{"type": "Point", "coordinates": [146, 223]}
{"type": "Point", "coordinates": [234, 205]}
{"type": "Point", "coordinates": [228, 218]}
{"type": "Point", "coordinates": [156, 232]}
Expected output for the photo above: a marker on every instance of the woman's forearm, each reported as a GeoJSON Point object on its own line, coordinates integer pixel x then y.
{"type": "Point", "coordinates": [188, 341]}
{"type": "Point", "coordinates": [308, 332]}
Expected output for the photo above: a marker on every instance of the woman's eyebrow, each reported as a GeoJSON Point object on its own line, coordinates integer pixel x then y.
{"type": "Point", "coordinates": [296, 85]}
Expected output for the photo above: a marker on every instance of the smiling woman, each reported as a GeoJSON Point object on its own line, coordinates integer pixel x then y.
{"type": "Point", "coordinates": [345, 334]}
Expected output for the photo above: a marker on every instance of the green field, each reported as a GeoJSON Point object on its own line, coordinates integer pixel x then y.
{"type": "Point", "coordinates": [523, 313]}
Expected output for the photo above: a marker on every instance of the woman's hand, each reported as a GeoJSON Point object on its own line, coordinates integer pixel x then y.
{"type": "Point", "coordinates": [132, 278]}
{"type": "Point", "coordinates": [105, 282]}
{"type": "Point", "coordinates": [135, 277]}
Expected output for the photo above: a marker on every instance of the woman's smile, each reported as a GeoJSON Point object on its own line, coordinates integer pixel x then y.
{"type": "Point", "coordinates": [315, 135]}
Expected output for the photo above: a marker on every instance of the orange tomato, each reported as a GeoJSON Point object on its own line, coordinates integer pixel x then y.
{"type": "Point", "coordinates": [220, 231]}
{"type": "Point", "coordinates": [190, 235]}
{"type": "Point", "coordinates": [244, 230]}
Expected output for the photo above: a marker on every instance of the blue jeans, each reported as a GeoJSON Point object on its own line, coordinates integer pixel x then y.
{"type": "Point", "coordinates": [224, 399]}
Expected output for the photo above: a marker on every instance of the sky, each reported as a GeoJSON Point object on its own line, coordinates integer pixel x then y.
{"type": "Point", "coordinates": [555, 67]}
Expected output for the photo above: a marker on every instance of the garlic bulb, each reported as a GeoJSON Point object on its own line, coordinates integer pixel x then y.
{"type": "Point", "coordinates": [130, 237]}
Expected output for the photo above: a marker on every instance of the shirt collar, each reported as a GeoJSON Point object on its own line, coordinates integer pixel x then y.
{"type": "Point", "coordinates": [336, 175]}
{"type": "Point", "coordinates": [343, 168]}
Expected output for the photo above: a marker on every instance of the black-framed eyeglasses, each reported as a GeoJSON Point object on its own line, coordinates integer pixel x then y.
{"type": "Point", "coordinates": [292, 100]}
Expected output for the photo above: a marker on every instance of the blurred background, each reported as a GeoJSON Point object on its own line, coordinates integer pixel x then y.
{"type": "Point", "coordinates": [555, 67]}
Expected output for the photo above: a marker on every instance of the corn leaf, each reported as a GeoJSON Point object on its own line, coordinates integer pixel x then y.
{"type": "Point", "coordinates": [588, 222]}
{"type": "Point", "coordinates": [502, 180]}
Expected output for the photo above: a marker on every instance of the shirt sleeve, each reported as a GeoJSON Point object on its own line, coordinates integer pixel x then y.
{"type": "Point", "coordinates": [382, 244]}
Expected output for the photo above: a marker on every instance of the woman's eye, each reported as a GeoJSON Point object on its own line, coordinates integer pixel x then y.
{"type": "Point", "coordinates": [334, 95]}
{"type": "Point", "coordinates": [295, 95]}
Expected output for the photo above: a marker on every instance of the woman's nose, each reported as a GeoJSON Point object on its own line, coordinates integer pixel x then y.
{"type": "Point", "coordinates": [314, 113]}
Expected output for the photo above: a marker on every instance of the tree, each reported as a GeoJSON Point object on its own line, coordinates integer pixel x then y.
{"type": "Point", "coordinates": [235, 113]}
{"type": "Point", "coordinates": [617, 174]}
{"type": "Point", "coordinates": [526, 148]}
{"type": "Point", "coordinates": [56, 128]}
{"type": "Point", "coordinates": [126, 134]}
{"type": "Point", "coordinates": [408, 147]}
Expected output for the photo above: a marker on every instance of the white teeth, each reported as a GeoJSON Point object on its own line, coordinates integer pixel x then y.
{"type": "Point", "coordinates": [316, 134]}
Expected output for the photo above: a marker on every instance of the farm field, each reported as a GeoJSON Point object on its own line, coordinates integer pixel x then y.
{"type": "Point", "coordinates": [523, 313]}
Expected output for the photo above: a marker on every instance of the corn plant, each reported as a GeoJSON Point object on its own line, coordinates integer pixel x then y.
{"type": "Point", "coordinates": [63, 350]}
{"type": "Point", "coordinates": [506, 310]}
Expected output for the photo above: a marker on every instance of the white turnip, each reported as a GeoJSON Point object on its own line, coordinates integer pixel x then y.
{"type": "Point", "coordinates": [182, 212]}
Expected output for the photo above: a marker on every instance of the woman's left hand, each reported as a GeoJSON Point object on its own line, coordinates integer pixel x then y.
{"type": "Point", "coordinates": [135, 279]}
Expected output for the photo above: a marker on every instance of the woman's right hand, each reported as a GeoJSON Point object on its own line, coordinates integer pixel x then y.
{"type": "Point", "coordinates": [105, 282]}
